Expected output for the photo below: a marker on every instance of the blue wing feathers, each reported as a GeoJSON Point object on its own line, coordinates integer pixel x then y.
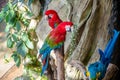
{"type": "Point", "coordinates": [102, 55]}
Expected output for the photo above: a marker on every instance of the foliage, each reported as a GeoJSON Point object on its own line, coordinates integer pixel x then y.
{"type": "Point", "coordinates": [73, 41]}
{"type": "Point", "coordinates": [18, 35]}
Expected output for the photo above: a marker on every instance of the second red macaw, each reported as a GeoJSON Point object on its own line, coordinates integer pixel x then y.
{"type": "Point", "coordinates": [53, 18]}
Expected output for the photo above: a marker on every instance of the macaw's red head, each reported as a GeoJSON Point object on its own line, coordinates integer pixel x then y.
{"type": "Point", "coordinates": [50, 14]}
{"type": "Point", "coordinates": [53, 18]}
{"type": "Point", "coordinates": [64, 27]}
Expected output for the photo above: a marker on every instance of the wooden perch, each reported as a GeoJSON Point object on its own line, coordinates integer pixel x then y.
{"type": "Point", "coordinates": [50, 72]}
{"type": "Point", "coordinates": [56, 72]}
{"type": "Point", "coordinates": [53, 67]}
{"type": "Point", "coordinates": [111, 71]}
{"type": "Point", "coordinates": [80, 66]}
{"type": "Point", "coordinates": [60, 63]}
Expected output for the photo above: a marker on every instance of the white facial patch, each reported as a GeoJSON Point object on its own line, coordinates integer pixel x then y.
{"type": "Point", "coordinates": [68, 28]}
{"type": "Point", "coordinates": [47, 17]}
{"type": "Point", "coordinates": [50, 15]}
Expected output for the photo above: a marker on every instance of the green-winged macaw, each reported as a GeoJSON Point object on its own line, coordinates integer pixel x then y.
{"type": "Point", "coordinates": [55, 39]}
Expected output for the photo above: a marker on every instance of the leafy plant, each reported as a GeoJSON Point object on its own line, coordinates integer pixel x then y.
{"type": "Point", "coordinates": [19, 38]}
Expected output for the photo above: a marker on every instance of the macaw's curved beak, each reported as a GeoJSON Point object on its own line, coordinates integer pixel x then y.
{"type": "Point", "coordinates": [68, 28]}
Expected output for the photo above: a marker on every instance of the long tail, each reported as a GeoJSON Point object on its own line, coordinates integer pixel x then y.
{"type": "Point", "coordinates": [106, 54]}
{"type": "Point", "coordinates": [45, 60]}
{"type": "Point", "coordinates": [109, 51]}
{"type": "Point", "coordinates": [45, 65]}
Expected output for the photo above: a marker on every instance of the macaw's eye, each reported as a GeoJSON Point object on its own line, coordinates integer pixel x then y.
{"type": "Point", "coordinates": [50, 16]}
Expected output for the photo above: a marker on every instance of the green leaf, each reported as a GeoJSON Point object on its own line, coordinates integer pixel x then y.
{"type": "Point", "coordinates": [26, 22]}
{"type": "Point", "coordinates": [18, 61]}
{"type": "Point", "coordinates": [19, 43]}
{"type": "Point", "coordinates": [25, 37]}
{"type": "Point", "coordinates": [8, 34]}
{"type": "Point", "coordinates": [1, 16]}
{"type": "Point", "coordinates": [6, 8]}
{"type": "Point", "coordinates": [16, 58]}
{"type": "Point", "coordinates": [9, 5]}
{"type": "Point", "coordinates": [22, 49]}
{"type": "Point", "coordinates": [12, 13]}
{"type": "Point", "coordinates": [11, 18]}
{"type": "Point", "coordinates": [1, 19]}
{"type": "Point", "coordinates": [29, 44]}
{"type": "Point", "coordinates": [8, 17]}
{"type": "Point", "coordinates": [30, 14]}
{"type": "Point", "coordinates": [10, 43]}
{"type": "Point", "coordinates": [29, 2]}
{"type": "Point", "coordinates": [21, 1]}
{"type": "Point", "coordinates": [7, 28]}
{"type": "Point", "coordinates": [18, 26]}
{"type": "Point", "coordinates": [15, 37]}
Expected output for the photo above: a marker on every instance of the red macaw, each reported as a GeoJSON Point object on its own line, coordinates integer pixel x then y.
{"type": "Point", "coordinates": [55, 39]}
{"type": "Point", "coordinates": [53, 18]}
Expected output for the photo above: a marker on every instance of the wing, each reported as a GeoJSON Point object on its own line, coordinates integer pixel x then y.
{"type": "Point", "coordinates": [55, 40]}
{"type": "Point", "coordinates": [102, 55]}
{"type": "Point", "coordinates": [44, 47]}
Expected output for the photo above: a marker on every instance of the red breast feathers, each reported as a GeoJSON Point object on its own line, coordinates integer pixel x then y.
{"type": "Point", "coordinates": [59, 33]}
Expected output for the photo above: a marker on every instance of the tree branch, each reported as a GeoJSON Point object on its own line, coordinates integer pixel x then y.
{"type": "Point", "coordinates": [60, 63]}
{"type": "Point", "coordinates": [111, 71]}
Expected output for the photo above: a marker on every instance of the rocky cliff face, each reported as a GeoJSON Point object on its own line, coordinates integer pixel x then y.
{"type": "Point", "coordinates": [90, 31]}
